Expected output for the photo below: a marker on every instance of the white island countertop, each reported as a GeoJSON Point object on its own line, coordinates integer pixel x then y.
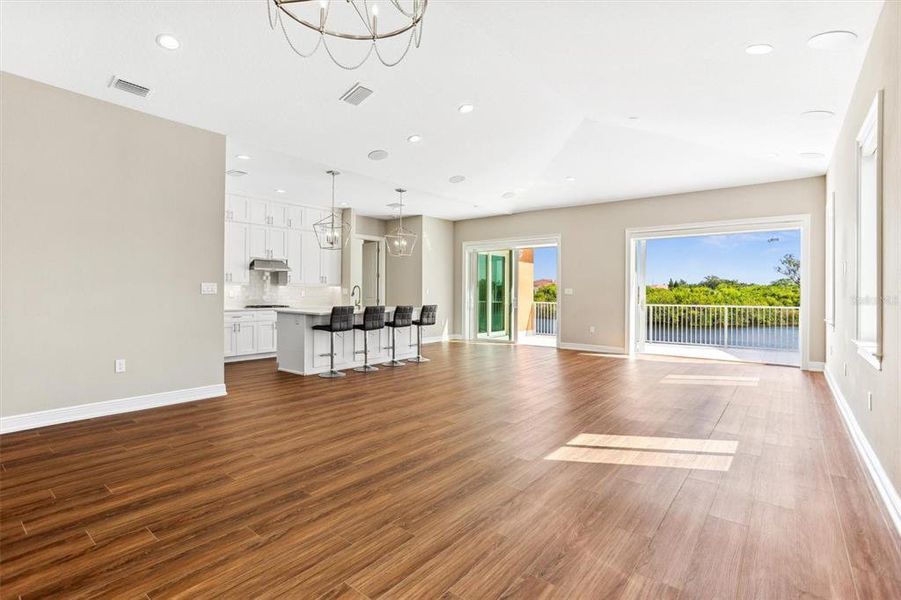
{"type": "Point", "coordinates": [320, 311]}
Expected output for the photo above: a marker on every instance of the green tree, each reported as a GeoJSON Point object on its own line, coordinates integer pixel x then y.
{"type": "Point", "coordinates": [790, 268]}
{"type": "Point", "coordinates": [545, 293]}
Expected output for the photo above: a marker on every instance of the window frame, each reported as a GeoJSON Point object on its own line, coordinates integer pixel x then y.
{"type": "Point", "coordinates": [870, 136]}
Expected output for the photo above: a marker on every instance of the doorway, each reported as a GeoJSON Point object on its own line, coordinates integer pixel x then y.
{"type": "Point", "coordinates": [735, 290]}
{"type": "Point", "coordinates": [367, 270]}
{"type": "Point", "coordinates": [499, 283]}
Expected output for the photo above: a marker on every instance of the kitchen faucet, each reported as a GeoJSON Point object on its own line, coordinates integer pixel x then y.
{"type": "Point", "coordinates": [359, 299]}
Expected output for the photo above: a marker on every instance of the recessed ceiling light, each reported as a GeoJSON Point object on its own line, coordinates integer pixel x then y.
{"type": "Point", "coordinates": [457, 179]}
{"type": "Point", "coordinates": [570, 178]}
{"type": "Point", "coordinates": [507, 195]}
{"type": "Point", "coordinates": [279, 191]}
{"type": "Point", "coordinates": [414, 138]}
{"type": "Point", "coordinates": [167, 41]}
{"type": "Point", "coordinates": [817, 115]}
{"type": "Point", "coordinates": [812, 155]}
{"type": "Point", "coordinates": [759, 49]}
{"type": "Point", "coordinates": [242, 156]}
{"type": "Point", "coordinates": [378, 155]}
{"type": "Point", "coordinates": [633, 118]}
{"type": "Point", "coordinates": [832, 40]}
{"type": "Point", "coordinates": [236, 173]}
{"type": "Point", "coordinates": [465, 109]}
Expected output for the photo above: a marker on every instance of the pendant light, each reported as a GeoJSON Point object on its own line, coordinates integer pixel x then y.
{"type": "Point", "coordinates": [400, 241]}
{"type": "Point", "coordinates": [333, 231]}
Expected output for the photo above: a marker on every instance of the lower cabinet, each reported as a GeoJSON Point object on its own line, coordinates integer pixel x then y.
{"type": "Point", "coordinates": [321, 347]}
{"type": "Point", "coordinates": [250, 332]}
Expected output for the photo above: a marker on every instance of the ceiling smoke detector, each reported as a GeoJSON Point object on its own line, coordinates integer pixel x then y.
{"type": "Point", "coordinates": [356, 94]}
{"type": "Point", "coordinates": [236, 173]}
{"type": "Point", "coordinates": [129, 87]}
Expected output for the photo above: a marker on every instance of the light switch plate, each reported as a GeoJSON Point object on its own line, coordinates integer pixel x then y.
{"type": "Point", "coordinates": [209, 288]}
{"type": "Point", "coordinates": [120, 365]}
{"type": "Point", "coordinates": [568, 291]}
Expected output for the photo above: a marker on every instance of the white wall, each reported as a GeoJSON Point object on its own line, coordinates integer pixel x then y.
{"type": "Point", "coordinates": [592, 248]}
{"type": "Point", "coordinates": [111, 219]}
{"type": "Point", "coordinates": [882, 424]}
{"type": "Point", "coordinates": [438, 273]}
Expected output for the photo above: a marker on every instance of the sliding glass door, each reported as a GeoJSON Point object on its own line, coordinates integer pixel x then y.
{"type": "Point", "coordinates": [493, 298]}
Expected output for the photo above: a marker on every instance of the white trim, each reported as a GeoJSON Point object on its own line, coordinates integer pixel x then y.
{"type": "Point", "coordinates": [880, 478]}
{"type": "Point", "coordinates": [592, 348]}
{"type": "Point", "coordinates": [441, 338]}
{"type": "Point", "coordinates": [774, 223]}
{"type": "Point", "coordinates": [243, 357]}
{"type": "Point", "coordinates": [108, 407]}
{"type": "Point", "coordinates": [817, 366]}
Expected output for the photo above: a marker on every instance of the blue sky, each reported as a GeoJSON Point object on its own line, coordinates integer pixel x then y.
{"type": "Point", "coordinates": [747, 257]}
{"type": "Point", "coordinates": [546, 263]}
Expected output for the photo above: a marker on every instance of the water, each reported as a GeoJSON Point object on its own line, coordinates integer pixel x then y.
{"type": "Point", "coordinates": [771, 338]}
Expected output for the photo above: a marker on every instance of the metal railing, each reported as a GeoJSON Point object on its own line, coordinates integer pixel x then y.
{"type": "Point", "coordinates": [767, 327]}
{"type": "Point", "coordinates": [545, 318]}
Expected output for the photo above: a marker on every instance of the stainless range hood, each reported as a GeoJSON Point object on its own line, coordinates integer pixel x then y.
{"type": "Point", "coordinates": [276, 269]}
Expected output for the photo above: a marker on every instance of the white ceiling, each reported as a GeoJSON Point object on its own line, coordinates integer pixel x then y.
{"type": "Point", "coordinates": [554, 85]}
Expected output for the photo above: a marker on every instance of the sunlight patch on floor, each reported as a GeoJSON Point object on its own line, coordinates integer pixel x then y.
{"type": "Point", "coordinates": [648, 451]}
{"type": "Point", "coordinates": [710, 380]}
{"type": "Point", "coordinates": [639, 442]}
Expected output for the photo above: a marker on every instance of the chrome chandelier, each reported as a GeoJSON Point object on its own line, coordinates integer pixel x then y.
{"type": "Point", "coordinates": [400, 240]}
{"type": "Point", "coordinates": [353, 20]}
{"type": "Point", "coordinates": [333, 231]}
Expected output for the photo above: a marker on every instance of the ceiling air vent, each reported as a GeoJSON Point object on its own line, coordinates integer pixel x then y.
{"type": "Point", "coordinates": [128, 86]}
{"type": "Point", "coordinates": [356, 94]}
{"type": "Point", "coordinates": [236, 173]}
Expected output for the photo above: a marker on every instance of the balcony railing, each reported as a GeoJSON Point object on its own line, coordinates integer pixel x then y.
{"type": "Point", "coordinates": [545, 314]}
{"type": "Point", "coordinates": [765, 327]}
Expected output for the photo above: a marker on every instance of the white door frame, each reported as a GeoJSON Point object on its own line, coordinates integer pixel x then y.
{"type": "Point", "coordinates": [783, 222]}
{"type": "Point", "coordinates": [470, 249]}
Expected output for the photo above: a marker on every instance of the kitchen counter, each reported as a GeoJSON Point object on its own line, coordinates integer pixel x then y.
{"type": "Point", "coordinates": [303, 350]}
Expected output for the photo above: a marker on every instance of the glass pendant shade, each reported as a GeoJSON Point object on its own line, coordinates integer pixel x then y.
{"type": "Point", "coordinates": [400, 240]}
{"type": "Point", "coordinates": [333, 231]}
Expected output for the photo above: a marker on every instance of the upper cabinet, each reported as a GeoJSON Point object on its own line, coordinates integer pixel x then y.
{"type": "Point", "coordinates": [265, 229]}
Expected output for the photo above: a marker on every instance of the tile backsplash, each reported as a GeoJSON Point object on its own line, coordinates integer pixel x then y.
{"type": "Point", "coordinates": [259, 291]}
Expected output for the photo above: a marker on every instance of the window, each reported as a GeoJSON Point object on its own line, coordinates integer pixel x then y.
{"type": "Point", "coordinates": [869, 236]}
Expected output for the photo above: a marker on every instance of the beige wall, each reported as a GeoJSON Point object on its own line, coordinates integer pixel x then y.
{"type": "Point", "coordinates": [882, 425]}
{"type": "Point", "coordinates": [403, 274]}
{"type": "Point", "coordinates": [111, 219]}
{"type": "Point", "coordinates": [369, 226]}
{"type": "Point", "coordinates": [592, 250]}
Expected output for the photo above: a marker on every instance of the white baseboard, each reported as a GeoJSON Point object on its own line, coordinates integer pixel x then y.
{"type": "Point", "coordinates": [592, 348]}
{"type": "Point", "coordinates": [242, 358]}
{"type": "Point", "coordinates": [107, 407]}
{"type": "Point", "coordinates": [819, 367]}
{"type": "Point", "coordinates": [880, 478]}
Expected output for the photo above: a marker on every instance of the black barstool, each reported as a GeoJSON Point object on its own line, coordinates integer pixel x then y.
{"type": "Point", "coordinates": [402, 317]}
{"type": "Point", "coordinates": [342, 319]}
{"type": "Point", "coordinates": [373, 320]}
{"type": "Point", "coordinates": [428, 315]}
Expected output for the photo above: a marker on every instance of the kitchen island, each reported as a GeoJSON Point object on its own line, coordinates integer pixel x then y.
{"type": "Point", "coordinates": [303, 350]}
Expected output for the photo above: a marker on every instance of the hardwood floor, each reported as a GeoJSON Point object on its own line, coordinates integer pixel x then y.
{"type": "Point", "coordinates": [431, 481]}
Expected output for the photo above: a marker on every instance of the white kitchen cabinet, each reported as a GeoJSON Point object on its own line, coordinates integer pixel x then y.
{"type": "Point", "coordinates": [236, 208]}
{"type": "Point", "coordinates": [258, 212]}
{"type": "Point", "coordinates": [297, 218]}
{"type": "Point", "coordinates": [312, 259]}
{"type": "Point", "coordinates": [259, 242]}
{"type": "Point", "coordinates": [266, 336]}
{"type": "Point", "coordinates": [277, 242]}
{"type": "Point", "coordinates": [278, 214]}
{"type": "Point", "coordinates": [331, 267]}
{"type": "Point", "coordinates": [295, 257]}
{"type": "Point", "coordinates": [246, 338]}
{"type": "Point", "coordinates": [230, 348]}
{"type": "Point", "coordinates": [321, 348]}
{"type": "Point", "coordinates": [236, 253]}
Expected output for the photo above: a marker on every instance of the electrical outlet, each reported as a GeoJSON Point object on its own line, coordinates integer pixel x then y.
{"type": "Point", "coordinates": [591, 329]}
{"type": "Point", "coordinates": [870, 401]}
{"type": "Point", "coordinates": [568, 291]}
{"type": "Point", "coordinates": [208, 288]}
{"type": "Point", "coordinates": [303, 293]}
{"type": "Point", "coordinates": [120, 365]}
